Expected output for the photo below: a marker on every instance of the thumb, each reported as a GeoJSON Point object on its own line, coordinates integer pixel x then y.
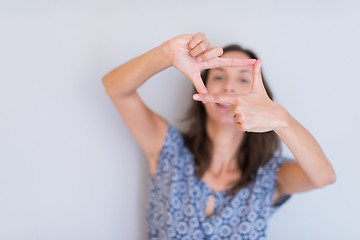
{"type": "Point", "coordinates": [198, 83]}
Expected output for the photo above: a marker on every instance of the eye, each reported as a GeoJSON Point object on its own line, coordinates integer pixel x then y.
{"type": "Point", "coordinates": [218, 78]}
{"type": "Point", "coordinates": [243, 80]}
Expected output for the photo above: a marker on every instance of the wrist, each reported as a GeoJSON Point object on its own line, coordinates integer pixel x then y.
{"type": "Point", "coordinates": [165, 54]}
{"type": "Point", "coordinates": [284, 120]}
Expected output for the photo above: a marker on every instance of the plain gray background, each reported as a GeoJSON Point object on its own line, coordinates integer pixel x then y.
{"type": "Point", "coordinates": [70, 169]}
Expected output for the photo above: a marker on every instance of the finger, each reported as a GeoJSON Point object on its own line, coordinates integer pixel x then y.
{"type": "Point", "coordinates": [230, 112]}
{"type": "Point", "coordinates": [200, 48]}
{"type": "Point", "coordinates": [233, 112]}
{"type": "Point", "coordinates": [258, 84]}
{"type": "Point", "coordinates": [198, 84]}
{"type": "Point", "coordinates": [240, 126]}
{"type": "Point", "coordinates": [228, 62]}
{"type": "Point", "coordinates": [198, 38]}
{"type": "Point", "coordinates": [217, 98]}
{"type": "Point", "coordinates": [237, 119]}
{"type": "Point", "coordinates": [213, 53]}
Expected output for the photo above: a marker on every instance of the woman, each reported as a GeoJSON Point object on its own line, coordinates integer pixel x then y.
{"type": "Point", "coordinates": [222, 179]}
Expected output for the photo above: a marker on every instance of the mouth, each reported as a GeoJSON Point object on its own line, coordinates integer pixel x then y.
{"type": "Point", "coordinates": [223, 105]}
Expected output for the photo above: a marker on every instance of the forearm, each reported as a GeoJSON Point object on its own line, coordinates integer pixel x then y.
{"type": "Point", "coordinates": [306, 150]}
{"type": "Point", "coordinates": [125, 79]}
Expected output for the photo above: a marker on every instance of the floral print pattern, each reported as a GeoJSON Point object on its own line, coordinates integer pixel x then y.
{"type": "Point", "coordinates": [177, 199]}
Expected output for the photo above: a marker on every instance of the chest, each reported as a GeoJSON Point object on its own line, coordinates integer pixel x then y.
{"type": "Point", "coordinates": [221, 182]}
{"type": "Point", "coordinates": [218, 183]}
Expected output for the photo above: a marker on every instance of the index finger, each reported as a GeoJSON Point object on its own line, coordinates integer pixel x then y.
{"type": "Point", "coordinates": [217, 98]}
{"type": "Point", "coordinates": [228, 62]}
{"type": "Point", "coordinates": [198, 38]}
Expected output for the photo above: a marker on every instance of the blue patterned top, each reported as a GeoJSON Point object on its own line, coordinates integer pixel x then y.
{"type": "Point", "coordinates": [177, 199]}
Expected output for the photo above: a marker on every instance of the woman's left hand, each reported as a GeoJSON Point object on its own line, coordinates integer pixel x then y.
{"type": "Point", "coordinates": [254, 111]}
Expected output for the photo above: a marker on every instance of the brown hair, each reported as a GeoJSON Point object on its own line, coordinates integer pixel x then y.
{"type": "Point", "coordinates": [255, 150]}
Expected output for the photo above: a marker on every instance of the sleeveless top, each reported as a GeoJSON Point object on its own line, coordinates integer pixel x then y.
{"type": "Point", "coordinates": [177, 199]}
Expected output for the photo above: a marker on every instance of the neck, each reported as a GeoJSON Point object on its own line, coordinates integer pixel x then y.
{"type": "Point", "coordinates": [226, 140]}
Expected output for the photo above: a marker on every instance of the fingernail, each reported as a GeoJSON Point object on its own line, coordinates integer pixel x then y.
{"type": "Point", "coordinates": [196, 97]}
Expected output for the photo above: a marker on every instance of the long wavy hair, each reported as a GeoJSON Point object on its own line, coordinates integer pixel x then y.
{"type": "Point", "coordinates": [255, 150]}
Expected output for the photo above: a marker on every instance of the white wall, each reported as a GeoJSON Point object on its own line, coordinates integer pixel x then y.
{"type": "Point", "coordinates": [69, 168]}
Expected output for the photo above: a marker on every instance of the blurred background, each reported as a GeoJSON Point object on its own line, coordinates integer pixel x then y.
{"type": "Point", "coordinates": [70, 169]}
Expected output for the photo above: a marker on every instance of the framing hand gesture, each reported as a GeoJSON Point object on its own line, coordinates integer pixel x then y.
{"type": "Point", "coordinates": [252, 112]}
{"type": "Point", "coordinates": [193, 53]}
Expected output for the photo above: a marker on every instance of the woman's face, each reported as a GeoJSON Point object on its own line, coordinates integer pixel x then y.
{"type": "Point", "coordinates": [227, 80]}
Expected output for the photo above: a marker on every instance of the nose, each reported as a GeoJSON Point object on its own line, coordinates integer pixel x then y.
{"type": "Point", "coordinates": [229, 86]}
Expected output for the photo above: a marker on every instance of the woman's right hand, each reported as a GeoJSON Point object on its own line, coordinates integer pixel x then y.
{"type": "Point", "coordinates": [193, 53]}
